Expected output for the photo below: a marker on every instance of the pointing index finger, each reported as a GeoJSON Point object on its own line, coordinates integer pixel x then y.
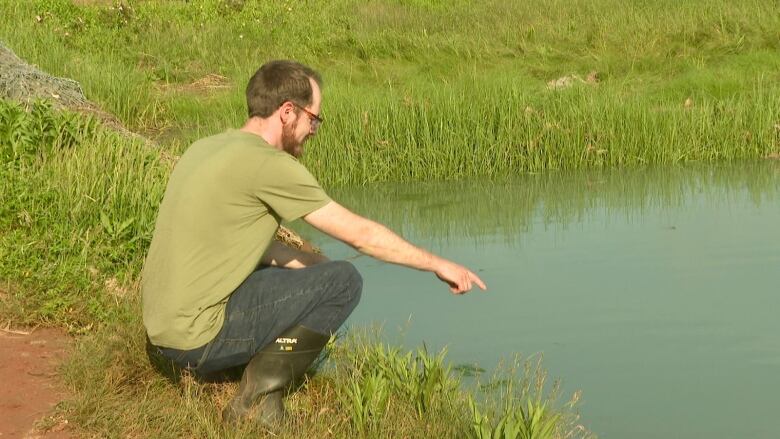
{"type": "Point", "coordinates": [478, 281]}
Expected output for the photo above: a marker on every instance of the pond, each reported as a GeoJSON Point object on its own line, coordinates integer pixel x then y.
{"type": "Point", "coordinates": [654, 291]}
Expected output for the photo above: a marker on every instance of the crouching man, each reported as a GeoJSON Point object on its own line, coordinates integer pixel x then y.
{"type": "Point", "coordinates": [219, 292]}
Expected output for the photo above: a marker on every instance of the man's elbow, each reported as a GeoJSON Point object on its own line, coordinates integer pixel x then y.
{"type": "Point", "coordinates": [338, 222]}
{"type": "Point", "coordinates": [361, 239]}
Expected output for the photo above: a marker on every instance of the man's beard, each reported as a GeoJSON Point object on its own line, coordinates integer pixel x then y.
{"type": "Point", "coordinates": [289, 144]}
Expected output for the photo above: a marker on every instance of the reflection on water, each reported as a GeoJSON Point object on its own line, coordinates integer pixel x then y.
{"type": "Point", "coordinates": [654, 291]}
{"type": "Point", "coordinates": [507, 208]}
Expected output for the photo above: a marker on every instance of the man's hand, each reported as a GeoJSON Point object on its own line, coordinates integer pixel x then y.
{"type": "Point", "coordinates": [280, 255]}
{"type": "Point", "coordinates": [459, 278]}
{"type": "Point", "coordinates": [376, 240]}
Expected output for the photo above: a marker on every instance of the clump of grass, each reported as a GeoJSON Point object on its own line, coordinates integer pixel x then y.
{"type": "Point", "coordinates": [421, 378]}
{"type": "Point", "coordinates": [367, 400]}
{"type": "Point", "coordinates": [524, 408]}
{"type": "Point", "coordinates": [39, 131]}
{"type": "Point", "coordinates": [386, 378]}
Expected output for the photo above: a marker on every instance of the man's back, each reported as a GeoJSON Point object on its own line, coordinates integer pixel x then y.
{"type": "Point", "coordinates": [223, 204]}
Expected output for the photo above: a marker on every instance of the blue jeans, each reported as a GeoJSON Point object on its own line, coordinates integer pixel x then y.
{"type": "Point", "coordinates": [269, 301]}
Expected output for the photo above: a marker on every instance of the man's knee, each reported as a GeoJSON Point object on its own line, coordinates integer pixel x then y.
{"type": "Point", "coordinates": [350, 278]}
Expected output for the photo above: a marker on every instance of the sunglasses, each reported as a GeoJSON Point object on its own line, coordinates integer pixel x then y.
{"type": "Point", "coordinates": [316, 120]}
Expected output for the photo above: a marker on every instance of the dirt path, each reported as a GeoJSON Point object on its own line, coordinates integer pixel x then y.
{"type": "Point", "coordinates": [30, 385]}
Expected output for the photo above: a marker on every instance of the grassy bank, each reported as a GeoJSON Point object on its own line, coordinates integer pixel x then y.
{"type": "Point", "coordinates": [364, 389]}
{"type": "Point", "coordinates": [434, 90]}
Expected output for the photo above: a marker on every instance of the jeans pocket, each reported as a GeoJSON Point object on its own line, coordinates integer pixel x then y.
{"type": "Point", "coordinates": [225, 354]}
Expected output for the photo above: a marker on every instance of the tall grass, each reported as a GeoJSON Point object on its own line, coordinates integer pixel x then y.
{"type": "Point", "coordinates": [78, 209]}
{"type": "Point", "coordinates": [452, 132]}
{"type": "Point", "coordinates": [436, 90]}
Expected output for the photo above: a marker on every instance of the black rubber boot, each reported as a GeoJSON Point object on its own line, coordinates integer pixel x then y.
{"type": "Point", "coordinates": [270, 372]}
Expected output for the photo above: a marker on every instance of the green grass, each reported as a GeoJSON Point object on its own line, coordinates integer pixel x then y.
{"type": "Point", "coordinates": [78, 208]}
{"type": "Point", "coordinates": [364, 389]}
{"type": "Point", "coordinates": [437, 90]}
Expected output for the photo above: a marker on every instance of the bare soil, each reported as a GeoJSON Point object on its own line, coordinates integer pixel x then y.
{"type": "Point", "coordinates": [30, 387]}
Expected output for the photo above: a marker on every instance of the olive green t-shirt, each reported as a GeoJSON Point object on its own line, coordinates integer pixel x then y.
{"type": "Point", "coordinates": [225, 199]}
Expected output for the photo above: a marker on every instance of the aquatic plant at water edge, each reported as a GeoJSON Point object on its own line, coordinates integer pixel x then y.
{"type": "Point", "coordinates": [522, 407]}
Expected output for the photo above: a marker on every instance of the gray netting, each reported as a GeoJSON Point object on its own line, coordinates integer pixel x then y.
{"type": "Point", "coordinates": [25, 83]}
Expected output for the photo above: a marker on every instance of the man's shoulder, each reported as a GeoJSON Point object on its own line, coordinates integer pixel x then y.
{"type": "Point", "coordinates": [244, 153]}
{"type": "Point", "coordinates": [232, 146]}
{"type": "Point", "coordinates": [233, 138]}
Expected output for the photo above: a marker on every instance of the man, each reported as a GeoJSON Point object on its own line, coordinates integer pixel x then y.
{"type": "Point", "coordinates": [219, 291]}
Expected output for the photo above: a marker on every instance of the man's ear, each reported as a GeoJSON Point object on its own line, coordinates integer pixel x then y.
{"type": "Point", "coordinates": [285, 111]}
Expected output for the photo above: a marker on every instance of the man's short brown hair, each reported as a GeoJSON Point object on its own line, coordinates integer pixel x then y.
{"type": "Point", "coordinates": [277, 82]}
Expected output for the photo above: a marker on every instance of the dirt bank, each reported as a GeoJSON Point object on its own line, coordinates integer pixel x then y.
{"type": "Point", "coordinates": [31, 386]}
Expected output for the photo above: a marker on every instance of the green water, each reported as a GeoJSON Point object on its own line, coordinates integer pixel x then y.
{"type": "Point", "coordinates": [655, 292]}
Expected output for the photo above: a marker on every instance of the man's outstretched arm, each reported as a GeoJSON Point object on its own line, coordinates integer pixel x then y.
{"type": "Point", "coordinates": [376, 240]}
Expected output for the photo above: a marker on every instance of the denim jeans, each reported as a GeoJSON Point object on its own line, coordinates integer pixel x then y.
{"type": "Point", "coordinates": [269, 301]}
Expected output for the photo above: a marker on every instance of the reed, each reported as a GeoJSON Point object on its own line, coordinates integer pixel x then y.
{"type": "Point", "coordinates": [498, 130]}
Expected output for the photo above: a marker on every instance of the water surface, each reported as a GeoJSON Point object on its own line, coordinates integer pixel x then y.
{"type": "Point", "coordinates": [653, 291]}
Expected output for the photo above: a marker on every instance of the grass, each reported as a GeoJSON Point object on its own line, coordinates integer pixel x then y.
{"type": "Point", "coordinates": [456, 134]}
{"type": "Point", "coordinates": [415, 90]}
{"type": "Point", "coordinates": [420, 90]}
{"type": "Point", "coordinates": [78, 209]}
{"type": "Point", "coordinates": [364, 389]}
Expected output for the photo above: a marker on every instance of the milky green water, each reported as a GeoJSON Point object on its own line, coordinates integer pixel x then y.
{"type": "Point", "coordinates": [655, 292]}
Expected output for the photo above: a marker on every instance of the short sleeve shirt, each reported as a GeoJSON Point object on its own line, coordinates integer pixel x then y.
{"type": "Point", "coordinates": [223, 204]}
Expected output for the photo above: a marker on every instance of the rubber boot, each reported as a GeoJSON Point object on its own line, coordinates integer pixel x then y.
{"type": "Point", "coordinates": [270, 372]}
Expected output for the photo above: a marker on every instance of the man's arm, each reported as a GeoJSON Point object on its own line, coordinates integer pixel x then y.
{"type": "Point", "coordinates": [280, 255]}
{"type": "Point", "coordinates": [376, 240]}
